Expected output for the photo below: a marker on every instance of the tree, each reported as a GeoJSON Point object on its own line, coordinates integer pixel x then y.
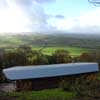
{"type": "Point", "coordinates": [87, 57]}
{"type": "Point", "coordinates": [61, 56]}
{"type": "Point", "coordinates": [38, 59]}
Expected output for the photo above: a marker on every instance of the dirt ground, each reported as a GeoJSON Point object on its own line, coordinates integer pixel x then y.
{"type": "Point", "coordinates": [7, 87]}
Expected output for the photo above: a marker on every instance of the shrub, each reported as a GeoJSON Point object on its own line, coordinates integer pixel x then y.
{"type": "Point", "coordinates": [82, 85]}
{"type": "Point", "coordinates": [87, 57]}
{"type": "Point", "coordinates": [40, 60]}
{"type": "Point", "coordinates": [61, 56]}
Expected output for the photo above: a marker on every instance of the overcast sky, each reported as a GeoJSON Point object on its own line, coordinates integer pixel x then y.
{"type": "Point", "coordinates": [77, 16]}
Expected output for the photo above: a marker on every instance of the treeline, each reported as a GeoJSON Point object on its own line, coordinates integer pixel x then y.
{"type": "Point", "coordinates": [24, 55]}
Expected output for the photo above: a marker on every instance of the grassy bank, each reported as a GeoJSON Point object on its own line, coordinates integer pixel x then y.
{"type": "Point", "coordinates": [53, 94]}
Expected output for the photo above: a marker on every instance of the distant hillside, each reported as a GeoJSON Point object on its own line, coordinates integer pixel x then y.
{"type": "Point", "coordinates": [74, 40]}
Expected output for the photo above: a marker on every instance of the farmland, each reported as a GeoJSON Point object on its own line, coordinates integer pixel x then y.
{"type": "Point", "coordinates": [51, 40]}
{"type": "Point", "coordinates": [75, 44]}
{"type": "Point", "coordinates": [74, 51]}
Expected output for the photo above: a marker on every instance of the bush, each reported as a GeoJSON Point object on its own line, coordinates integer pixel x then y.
{"type": "Point", "coordinates": [65, 85]}
{"type": "Point", "coordinates": [39, 60]}
{"type": "Point", "coordinates": [83, 85]}
{"type": "Point", "coordinates": [61, 56]}
{"type": "Point", "coordinates": [87, 57]}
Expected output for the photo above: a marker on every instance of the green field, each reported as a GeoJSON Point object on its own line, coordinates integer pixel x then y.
{"type": "Point", "coordinates": [52, 94]}
{"type": "Point", "coordinates": [74, 51]}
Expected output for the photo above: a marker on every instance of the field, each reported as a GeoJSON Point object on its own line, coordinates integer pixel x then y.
{"type": "Point", "coordinates": [74, 43]}
{"type": "Point", "coordinates": [74, 51]}
{"type": "Point", "coordinates": [54, 40]}
{"type": "Point", "coordinates": [53, 94]}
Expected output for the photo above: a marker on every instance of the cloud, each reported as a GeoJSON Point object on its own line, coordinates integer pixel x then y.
{"type": "Point", "coordinates": [23, 16]}
{"type": "Point", "coordinates": [59, 16]}
{"type": "Point", "coordinates": [29, 16]}
{"type": "Point", "coordinates": [86, 23]}
{"type": "Point", "coordinates": [44, 1]}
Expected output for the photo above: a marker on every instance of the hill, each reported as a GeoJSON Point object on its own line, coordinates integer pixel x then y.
{"type": "Point", "coordinates": [51, 40]}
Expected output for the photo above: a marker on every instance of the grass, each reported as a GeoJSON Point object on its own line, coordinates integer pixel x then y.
{"type": "Point", "coordinates": [74, 51]}
{"type": "Point", "coordinates": [53, 94]}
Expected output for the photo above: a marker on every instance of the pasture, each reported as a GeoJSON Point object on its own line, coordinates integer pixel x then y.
{"type": "Point", "coordinates": [74, 51]}
{"type": "Point", "coordinates": [53, 94]}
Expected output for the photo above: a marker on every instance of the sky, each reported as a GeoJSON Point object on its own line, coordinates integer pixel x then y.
{"type": "Point", "coordinates": [49, 16]}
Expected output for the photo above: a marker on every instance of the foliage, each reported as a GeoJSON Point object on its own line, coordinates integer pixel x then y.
{"type": "Point", "coordinates": [61, 56]}
{"type": "Point", "coordinates": [38, 59]}
{"type": "Point", "coordinates": [26, 55]}
{"type": "Point", "coordinates": [87, 57]}
{"type": "Point", "coordinates": [66, 85]}
{"type": "Point", "coordinates": [82, 85]}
